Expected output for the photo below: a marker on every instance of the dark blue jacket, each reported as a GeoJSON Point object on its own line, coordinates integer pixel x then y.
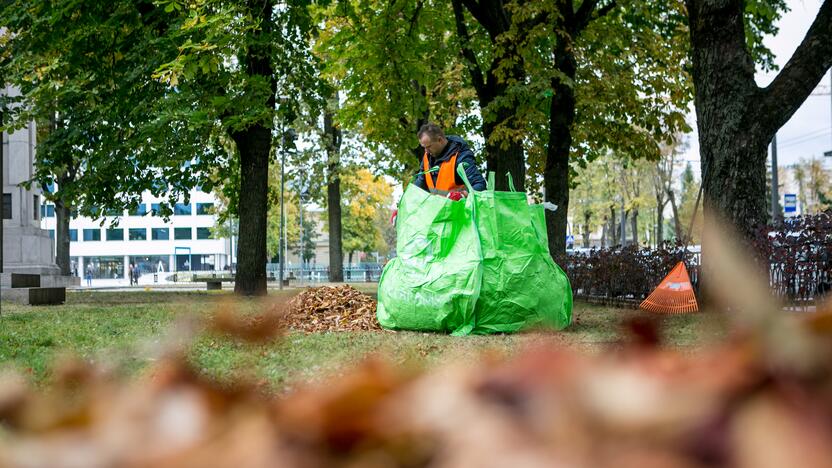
{"type": "Point", "coordinates": [466, 156]}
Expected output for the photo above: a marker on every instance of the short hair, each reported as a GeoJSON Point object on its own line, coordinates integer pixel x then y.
{"type": "Point", "coordinates": [432, 130]}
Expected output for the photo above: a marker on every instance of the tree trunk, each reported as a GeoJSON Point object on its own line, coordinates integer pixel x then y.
{"type": "Point", "coordinates": [623, 227]}
{"type": "Point", "coordinates": [254, 144]}
{"type": "Point", "coordinates": [502, 161]}
{"type": "Point", "coordinates": [613, 228]}
{"type": "Point", "coordinates": [62, 218]}
{"type": "Point", "coordinates": [333, 193]}
{"type": "Point", "coordinates": [495, 17]}
{"type": "Point", "coordinates": [604, 233]}
{"type": "Point", "coordinates": [561, 118]}
{"type": "Point", "coordinates": [587, 215]}
{"type": "Point", "coordinates": [634, 223]}
{"type": "Point", "coordinates": [660, 222]}
{"type": "Point", "coordinates": [677, 223]}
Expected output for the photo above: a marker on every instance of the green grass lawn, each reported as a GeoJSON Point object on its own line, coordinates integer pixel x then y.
{"type": "Point", "coordinates": [129, 329]}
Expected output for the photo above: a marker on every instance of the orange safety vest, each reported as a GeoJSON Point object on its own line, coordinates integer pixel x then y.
{"type": "Point", "coordinates": [446, 179]}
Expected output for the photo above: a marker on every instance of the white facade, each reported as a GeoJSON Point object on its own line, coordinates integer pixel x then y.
{"type": "Point", "coordinates": [183, 243]}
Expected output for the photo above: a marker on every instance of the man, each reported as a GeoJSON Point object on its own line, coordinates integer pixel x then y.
{"type": "Point", "coordinates": [447, 153]}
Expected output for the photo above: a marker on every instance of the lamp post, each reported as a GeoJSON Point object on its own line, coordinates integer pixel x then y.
{"type": "Point", "coordinates": [300, 214]}
{"type": "Point", "coordinates": [290, 133]}
{"type": "Point", "coordinates": [280, 239]}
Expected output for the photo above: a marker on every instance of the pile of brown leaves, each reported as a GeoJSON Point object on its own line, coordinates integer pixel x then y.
{"type": "Point", "coordinates": [332, 308]}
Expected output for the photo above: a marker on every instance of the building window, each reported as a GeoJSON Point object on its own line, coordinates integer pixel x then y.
{"type": "Point", "coordinates": [51, 234]}
{"type": "Point", "coordinates": [73, 235]}
{"type": "Point", "coordinates": [204, 208]}
{"type": "Point", "coordinates": [138, 234]}
{"type": "Point", "coordinates": [7, 206]}
{"type": "Point", "coordinates": [154, 209]}
{"type": "Point", "coordinates": [112, 212]}
{"type": "Point", "coordinates": [160, 234]}
{"type": "Point", "coordinates": [47, 211]}
{"type": "Point", "coordinates": [182, 233]}
{"type": "Point", "coordinates": [115, 234]}
{"type": "Point", "coordinates": [151, 263]}
{"type": "Point", "coordinates": [92, 235]}
{"type": "Point", "coordinates": [140, 210]}
{"type": "Point", "coordinates": [36, 205]}
{"type": "Point", "coordinates": [181, 209]}
{"type": "Point", "coordinates": [203, 233]}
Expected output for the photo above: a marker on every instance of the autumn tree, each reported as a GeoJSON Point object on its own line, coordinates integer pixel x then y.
{"type": "Point", "coordinates": [366, 198]}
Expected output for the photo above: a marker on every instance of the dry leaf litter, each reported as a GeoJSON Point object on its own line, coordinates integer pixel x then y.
{"type": "Point", "coordinates": [332, 308]}
{"type": "Point", "coordinates": [760, 399]}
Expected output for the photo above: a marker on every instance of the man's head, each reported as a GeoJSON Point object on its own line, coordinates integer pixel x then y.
{"type": "Point", "coordinates": [432, 138]}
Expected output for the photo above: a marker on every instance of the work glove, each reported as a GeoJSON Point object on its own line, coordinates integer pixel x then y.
{"type": "Point", "coordinates": [456, 196]}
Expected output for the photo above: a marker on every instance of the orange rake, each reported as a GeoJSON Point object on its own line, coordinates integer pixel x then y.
{"type": "Point", "coordinates": [674, 295]}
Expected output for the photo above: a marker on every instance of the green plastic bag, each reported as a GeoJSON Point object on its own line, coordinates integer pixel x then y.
{"type": "Point", "coordinates": [522, 287]}
{"type": "Point", "coordinates": [478, 267]}
{"type": "Point", "coordinates": [434, 281]}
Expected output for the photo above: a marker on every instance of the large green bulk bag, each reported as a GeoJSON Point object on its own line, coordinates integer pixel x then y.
{"type": "Point", "coordinates": [434, 281]}
{"type": "Point", "coordinates": [482, 266]}
{"type": "Point", "coordinates": [522, 287]}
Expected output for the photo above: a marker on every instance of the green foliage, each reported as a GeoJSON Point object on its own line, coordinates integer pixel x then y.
{"type": "Point", "coordinates": [366, 200]}
{"type": "Point", "coordinates": [83, 71]}
{"type": "Point", "coordinates": [632, 86]}
{"type": "Point", "coordinates": [397, 65]}
{"type": "Point", "coordinates": [760, 21]}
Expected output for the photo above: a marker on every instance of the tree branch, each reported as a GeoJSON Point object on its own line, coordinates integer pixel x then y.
{"type": "Point", "coordinates": [415, 17]}
{"type": "Point", "coordinates": [467, 53]}
{"type": "Point", "coordinates": [479, 13]}
{"type": "Point", "coordinates": [585, 11]}
{"type": "Point", "coordinates": [801, 74]}
{"type": "Point", "coordinates": [585, 15]}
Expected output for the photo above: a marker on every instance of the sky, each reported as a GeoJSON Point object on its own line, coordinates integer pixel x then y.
{"type": "Point", "coordinates": [808, 134]}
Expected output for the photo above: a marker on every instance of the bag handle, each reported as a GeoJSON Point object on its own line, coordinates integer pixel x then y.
{"type": "Point", "coordinates": [433, 169]}
{"type": "Point", "coordinates": [460, 169]}
{"type": "Point", "coordinates": [490, 182]}
{"type": "Point", "coordinates": [510, 182]}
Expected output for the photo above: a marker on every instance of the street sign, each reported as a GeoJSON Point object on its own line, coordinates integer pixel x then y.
{"type": "Point", "coordinates": [789, 203]}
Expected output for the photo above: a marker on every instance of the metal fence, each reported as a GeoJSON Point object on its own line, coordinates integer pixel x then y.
{"type": "Point", "coordinates": [625, 278]}
{"type": "Point", "coordinates": [294, 274]}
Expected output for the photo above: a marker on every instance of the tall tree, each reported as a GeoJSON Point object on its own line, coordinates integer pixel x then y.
{"type": "Point", "coordinates": [365, 197]}
{"type": "Point", "coordinates": [333, 138]}
{"type": "Point", "coordinates": [606, 93]}
{"type": "Point", "coordinates": [82, 68]}
{"type": "Point", "coordinates": [736, 118]}
{"type": "Point", "coordinates": [495, 67]}
{"type": "Point", "coordinates": [662, 178]}
{"type": "Point", "coordinates": [235, 60]}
